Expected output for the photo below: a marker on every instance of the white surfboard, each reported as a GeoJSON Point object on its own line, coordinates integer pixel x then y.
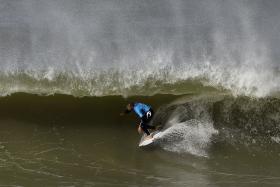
{"type": "Point", "coordinates": [144, 142]}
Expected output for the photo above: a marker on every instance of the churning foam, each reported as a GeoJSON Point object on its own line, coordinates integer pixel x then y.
{"type": "Point", "coordinates": [192, 136]}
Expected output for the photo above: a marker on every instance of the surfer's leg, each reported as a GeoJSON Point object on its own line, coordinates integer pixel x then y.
{"type": "Point", "coordinates": [150, 127]}
{"type": "Point", "coordinates": [146, 120]}
{"type": "Point", "coordinates": [146, 131]}
{"type": "Point", "coordinates": [144, 128]}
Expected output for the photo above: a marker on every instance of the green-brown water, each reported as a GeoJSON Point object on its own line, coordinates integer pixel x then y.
{"type": "Point", "coordinates": [65, 141]}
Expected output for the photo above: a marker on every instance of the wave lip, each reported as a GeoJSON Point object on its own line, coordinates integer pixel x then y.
{"type": "Point", "coordinates": [126, 83]}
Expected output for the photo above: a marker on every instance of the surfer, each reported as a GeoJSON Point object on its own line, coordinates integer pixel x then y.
{"type": "Point", "coordinates": [144, 112]}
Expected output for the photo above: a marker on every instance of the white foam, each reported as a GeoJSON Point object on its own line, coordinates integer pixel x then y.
{"type": "Point", "coordinates": [276, 139]}
{"type": "Point", "coordinates": [191, 136]}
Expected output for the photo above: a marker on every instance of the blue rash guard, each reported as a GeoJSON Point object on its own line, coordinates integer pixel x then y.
{"type": "Point", "coordinates": [145, 112]}
{"type": "Point", "coordinates": [141, 109]}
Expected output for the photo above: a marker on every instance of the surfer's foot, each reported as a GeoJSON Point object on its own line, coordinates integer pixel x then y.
{"type": "Point", "coordinates": [148, 137]}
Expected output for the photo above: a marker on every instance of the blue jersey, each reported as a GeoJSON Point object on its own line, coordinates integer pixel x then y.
{"type": "Point", "coordinates": [141, 109]}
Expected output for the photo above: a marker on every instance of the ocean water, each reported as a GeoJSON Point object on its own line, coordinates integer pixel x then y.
{"type": "Point", "coordinates": [210, 70]}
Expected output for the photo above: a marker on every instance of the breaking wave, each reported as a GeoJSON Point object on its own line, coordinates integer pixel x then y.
{"type": "Point", "coordinates": [165, 81]}
{"type": "Point", "coordinates": [201, 124]}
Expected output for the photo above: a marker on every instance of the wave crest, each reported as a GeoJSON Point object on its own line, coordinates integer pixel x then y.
{"type": "Point", "coordinates": [165, 80]}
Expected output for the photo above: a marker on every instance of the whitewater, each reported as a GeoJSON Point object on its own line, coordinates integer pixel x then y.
{"type": "Point", "coordinates": [123, 48]}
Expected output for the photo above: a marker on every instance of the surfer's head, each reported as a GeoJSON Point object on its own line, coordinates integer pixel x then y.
{"type": "Point", "coordinates": [129, 107]}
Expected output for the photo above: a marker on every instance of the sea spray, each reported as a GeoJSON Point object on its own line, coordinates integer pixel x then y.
{"type": "Point", "coordinates": [192, 136]}
{"type": "Point", "coordinates": [98, 48]}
